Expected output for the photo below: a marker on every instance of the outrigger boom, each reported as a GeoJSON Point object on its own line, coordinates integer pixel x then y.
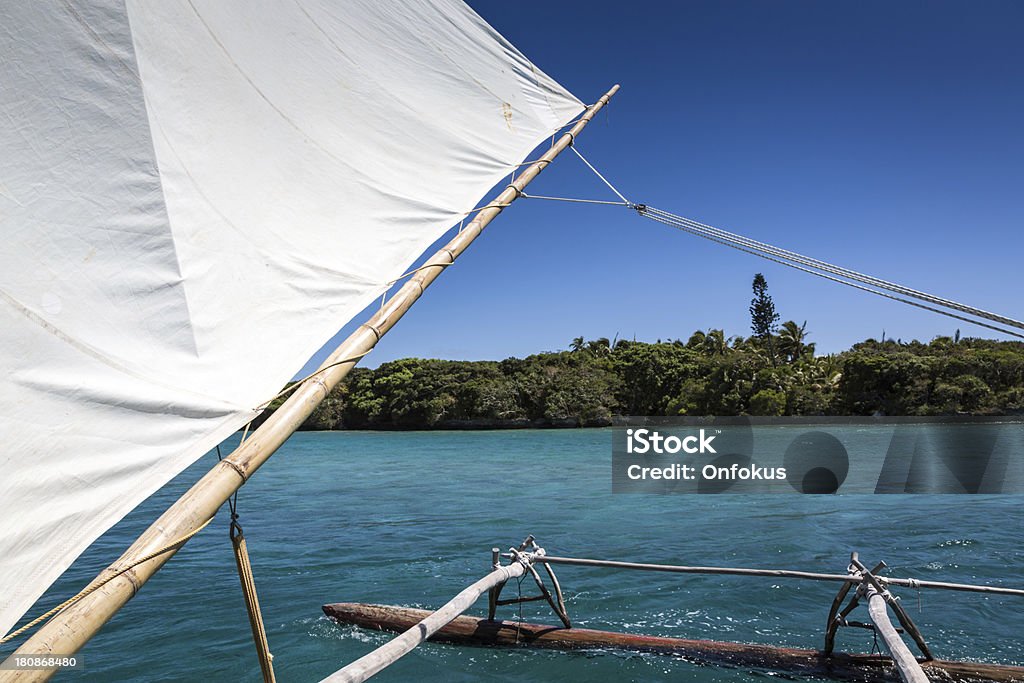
{"type": "Point", "coordinates": [445, 625]}
{"type": "Point", "coordinates": [478, 631]}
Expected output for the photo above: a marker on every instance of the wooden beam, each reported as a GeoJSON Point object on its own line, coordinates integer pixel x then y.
{"type": "Point", "coordinates": [68, 631]}
{"type": "Point", "coordinates": [423, 628]}
{"type": "Point", "coordinates": [475, 631]}
{"type": "Point", "coordinates": [906, 664]}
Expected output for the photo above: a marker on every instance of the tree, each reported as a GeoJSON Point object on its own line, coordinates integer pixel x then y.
{"type": "Point", "coordinates": [763, 318]}
{"type": "Point", "coordinates": [768, 403]}
{"type": "Point", "coordinates": [600, 346]}
{"type": "Point", "coordinates": [696, 340]}
{"type": "Point", "coordinates": [576, 345]}
{"type": "Point", "coordinates": [714, 343]}
{"type": "Point", "coordinates": [792, 341]}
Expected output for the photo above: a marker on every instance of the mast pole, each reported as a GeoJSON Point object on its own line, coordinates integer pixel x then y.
{"type": "Point", "coordinates": [69, 630]}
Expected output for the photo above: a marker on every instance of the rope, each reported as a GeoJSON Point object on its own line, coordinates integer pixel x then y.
{"type": "Point", "coordinates": [416, 270]}
{"type": "Point", "coordinates": [297, 383]}
{"type": "Point", "coordinates": [89, 590]}
{"type": "Point", "coordinates": [806, 264]}
{"type": "Point", "coordinates": [836, 270]}
{"type": "Point", "coordinates": [252, 603]}
{"type": "Point", "coordinates": [245, 576]}
{"type": "Point", "coordinates": [484, 208]}
{"type": "Point", "coordinates": [530, 162]}
{"type": "Point", "coordinates": [828, 271]}
{"type": "Point", "coordinates": [598, 174]}
{"type": "Point", "coordinates": [573, 199]}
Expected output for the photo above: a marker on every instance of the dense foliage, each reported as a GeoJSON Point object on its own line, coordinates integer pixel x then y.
{"type": "Point", "coordinates": [708, 374]}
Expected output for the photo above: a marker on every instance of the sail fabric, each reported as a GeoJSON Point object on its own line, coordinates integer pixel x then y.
{"type": "Point", "coordinates": [195, 195]}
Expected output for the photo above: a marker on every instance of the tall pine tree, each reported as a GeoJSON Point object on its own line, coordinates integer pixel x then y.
{"type": "Point", "coordinates": [763, 318]}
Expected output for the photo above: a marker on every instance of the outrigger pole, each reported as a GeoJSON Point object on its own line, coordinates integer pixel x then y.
{"type": "Point", "coordinates": [70, 629]}
{"type": "Point", "coordinates": [446, 625]}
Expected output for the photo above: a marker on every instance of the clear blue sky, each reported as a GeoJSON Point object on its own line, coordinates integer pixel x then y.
{"type": "Point", "coordinates": [887, 137]}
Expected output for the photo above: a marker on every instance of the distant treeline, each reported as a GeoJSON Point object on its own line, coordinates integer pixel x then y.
{"type": "Point", "coordinates": [708, 374]}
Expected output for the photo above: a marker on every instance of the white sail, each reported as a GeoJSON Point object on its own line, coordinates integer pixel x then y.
{"type": "Point", "coordinates": [195, 195]}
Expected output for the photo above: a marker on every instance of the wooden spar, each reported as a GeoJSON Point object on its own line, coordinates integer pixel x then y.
{"type": "Point", "coordinates": [773, 573]}
{"type": "Point", "coordinates": [423, 628]}
{"type": "Point", "coordinates": [873, 584]}
{"type": "Point", "coordinates": [833, 623]}
{"type": "Point", "coordinates": [466, 630]}
{"type": "Point", "coordinates": [71, 629]}
{"type": "Point", "coordinates": [909, 668]}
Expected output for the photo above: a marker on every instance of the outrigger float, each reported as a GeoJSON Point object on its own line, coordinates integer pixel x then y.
{"type": "Point", "coordinates": [446, 625]}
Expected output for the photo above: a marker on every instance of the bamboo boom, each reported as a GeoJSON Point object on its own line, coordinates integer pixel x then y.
{"type": "Point", "coordinates": [389, 653]}
{"type": "Point", "coordinates": [907, 665]}
{"type": "Point", "coordinates": [774, 573]}
{"type": "Point", "coordinates": [68, 631]}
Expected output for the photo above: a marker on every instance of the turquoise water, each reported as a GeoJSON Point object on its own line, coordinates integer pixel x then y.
{"type": "Point", "coordinates": [409, 519]}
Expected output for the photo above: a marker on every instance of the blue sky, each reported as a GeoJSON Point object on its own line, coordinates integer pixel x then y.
{"type": "Point", "coordinates": [887, 137]}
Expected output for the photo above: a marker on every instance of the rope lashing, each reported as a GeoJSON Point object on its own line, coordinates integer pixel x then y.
{"type": "Point", "coordinates": [297, 383]}
{"type": "Point", "coordinates": [248, 581]}
{"type": "Point", "coordinates": [488, 206]}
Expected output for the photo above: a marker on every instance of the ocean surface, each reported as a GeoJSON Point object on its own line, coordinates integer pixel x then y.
{"type": "Point", "coordinates": [409, 519]}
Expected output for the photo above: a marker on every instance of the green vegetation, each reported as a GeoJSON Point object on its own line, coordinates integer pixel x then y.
{"type": "Point", "coordinates": [774, 372]}
{"type": "Point", "coordinates": [708, 374]}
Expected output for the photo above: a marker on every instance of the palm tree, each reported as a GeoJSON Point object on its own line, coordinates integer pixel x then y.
{"type": "Point", "coordinates": [792, 339]}
{"type": "Point", "coordinates": [715, 343]}
{"type": "Point", "coordinates": [600, 346]}
{"type": "Point", "coordinates": [826, 371]}
{"type": "Point", "coordinates": [577, 344]}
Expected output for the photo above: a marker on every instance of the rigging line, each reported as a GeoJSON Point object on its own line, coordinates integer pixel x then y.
{"type": "Point", "coordinates": [295, 385]}
{"type": "Point", "coordinates": [844, 272]}
{"type": "Point", "coordinates": [829, 277]}
{"type": "Point", "coordinates": [781, 253]}
{"type": "Point", "coordinates": [484, 208]}
{"type": "Point", "coordinates": [96, 586]}
{"type": "Point", "coordinates": [836, 279]}
{"type": "Point", "coordinates": [837, 270]}
{"type": "Point", "coordinates": [233, 500]}
{"type": "Point", "coordinates": [416, 270]}
{"type": "Point", "coordinates": [462, 224]}
{"type": "Point", "coordinates": [572, 199]}
{"type": "Point", "coordinates": [532, 161]}
{"type": "Point", "coordinates": [598, 174]}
